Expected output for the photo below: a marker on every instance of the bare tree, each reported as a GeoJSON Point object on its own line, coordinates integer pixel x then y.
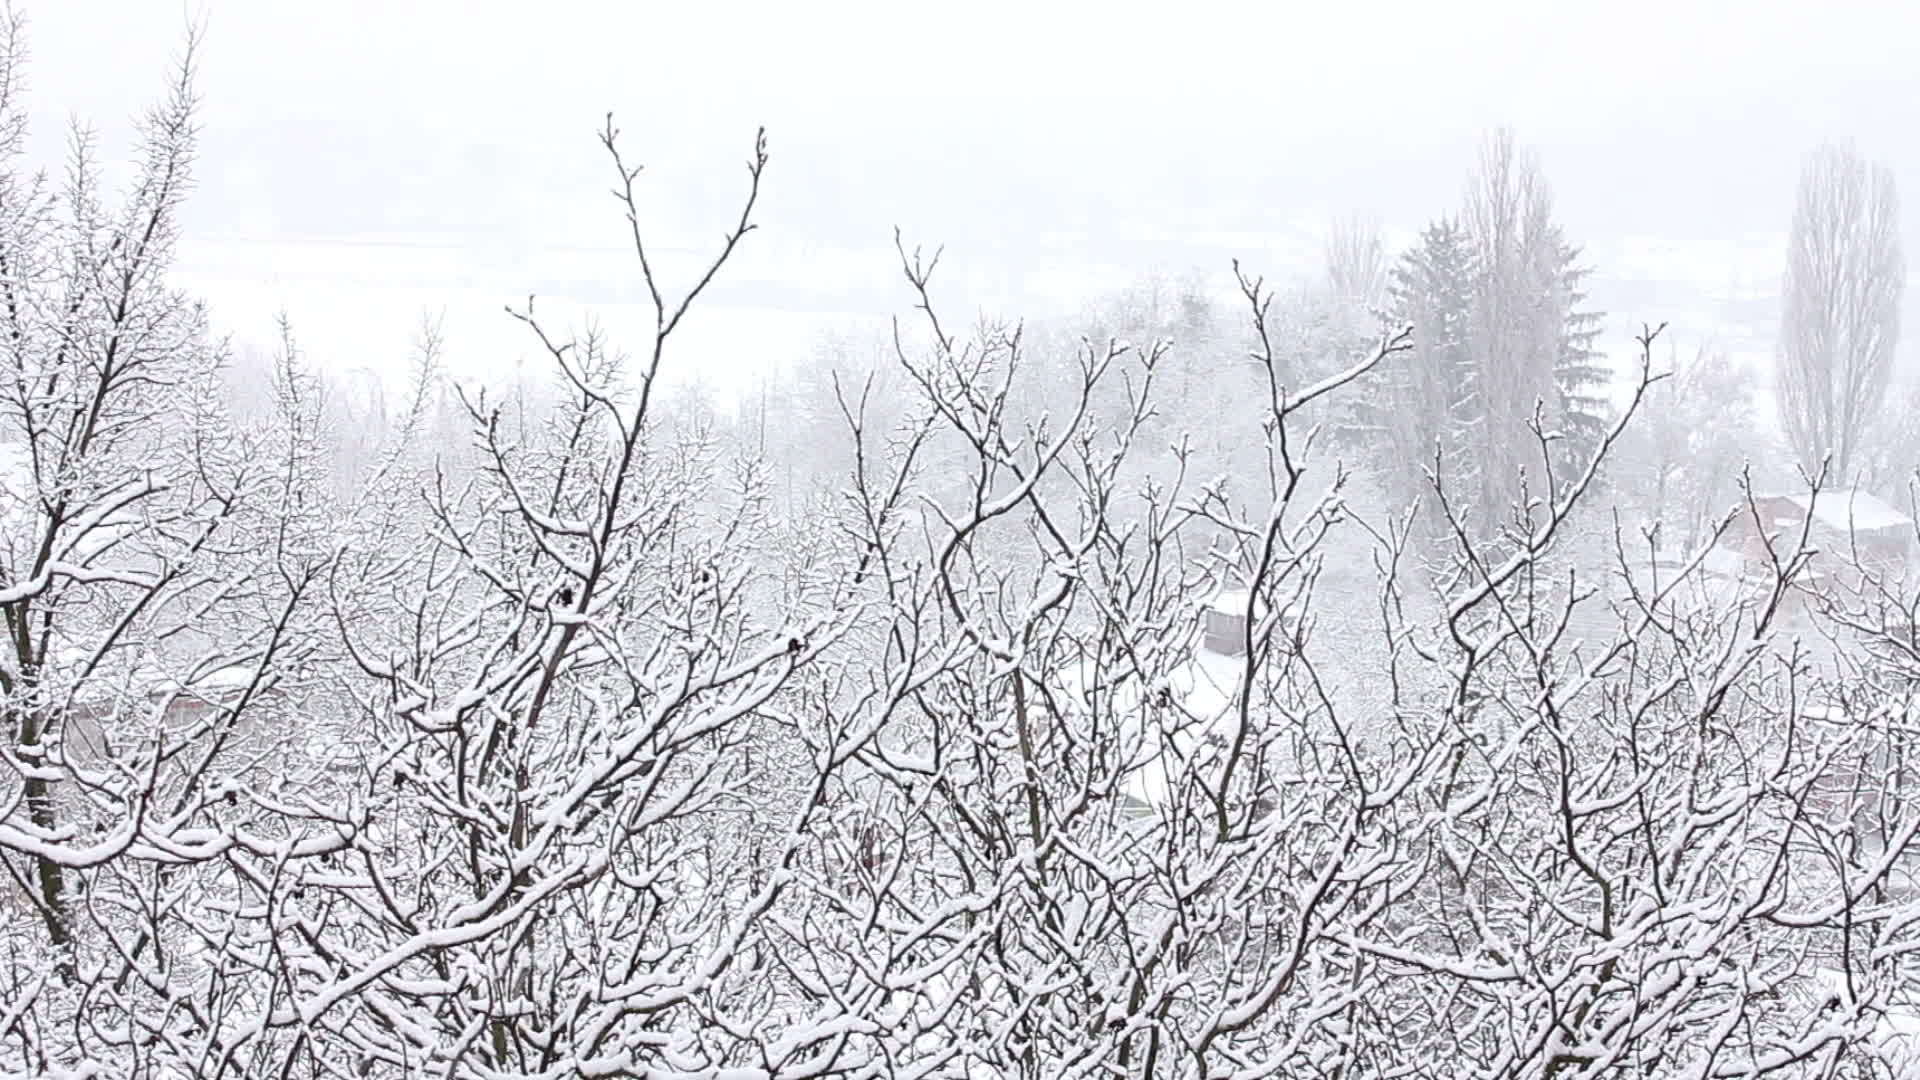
{"type": "Point", "coordinates": [1840, 314]}
{"type": "Point", "coordinates": [1530, 337]}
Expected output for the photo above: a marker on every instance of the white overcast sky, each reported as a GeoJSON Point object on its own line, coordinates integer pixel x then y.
{"type": "Point", "coordinates": [365, 161]}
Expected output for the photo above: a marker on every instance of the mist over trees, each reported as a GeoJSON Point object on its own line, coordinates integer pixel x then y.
{"type": "Point", "coordinates": [1346, 677]}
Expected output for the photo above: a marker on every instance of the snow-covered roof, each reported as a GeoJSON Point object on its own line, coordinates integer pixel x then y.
{"type": "Point", "coordinates": [101, 719]}
{"type": "Point", "coordinates": [1846, 508]}
{"type": "Point", "coordinates": [148, 679]}
{"type": "Point", "coordinates": [1231, 601]}
{"type": "Point", "coordinates": [1888, 711]}
{"type": "Point", "coordinates": [216, 683]}
{"type": "Point", "coordinates": [1719, 562]}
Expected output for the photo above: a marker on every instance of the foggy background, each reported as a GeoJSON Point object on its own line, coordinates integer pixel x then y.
{"type": "Point", "coordinates": [364, 162]}
{"type": "Point", "coordinates": [1269, 696]}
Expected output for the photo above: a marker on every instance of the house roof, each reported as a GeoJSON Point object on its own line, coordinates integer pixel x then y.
{"type": "Point", "coordinates": [1720, 563]}
{"type": "Point", "coordinates": [1231, 601]}
{"type": "Point", "coordinates": [1846, 509]}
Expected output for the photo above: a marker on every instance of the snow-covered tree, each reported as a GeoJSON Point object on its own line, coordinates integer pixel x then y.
{"type": "Point", "coordinates": [160, 568]}
{"type": "Point", "coordinates": [562, 746]}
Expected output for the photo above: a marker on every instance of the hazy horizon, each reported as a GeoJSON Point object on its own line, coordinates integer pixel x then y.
{"type": "Point", "coordinates": [360, 169]}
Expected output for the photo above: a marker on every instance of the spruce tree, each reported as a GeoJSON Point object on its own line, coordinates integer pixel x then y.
{"type": "Point", "coordinates": [1580, 370]}
{"type": "Point", "coordinates": [1429, 395]}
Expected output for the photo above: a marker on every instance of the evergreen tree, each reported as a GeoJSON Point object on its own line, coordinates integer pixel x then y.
{"type": "Point", "coordinates": [1580, 370]}
{"type": "Point", "coordinates": [1428, 397]}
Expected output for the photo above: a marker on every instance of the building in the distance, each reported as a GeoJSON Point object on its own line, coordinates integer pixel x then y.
{"type": "Point", "coordinates": [1858, 538]}
{"type": "Point", "coordinates": [1843, 524]}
